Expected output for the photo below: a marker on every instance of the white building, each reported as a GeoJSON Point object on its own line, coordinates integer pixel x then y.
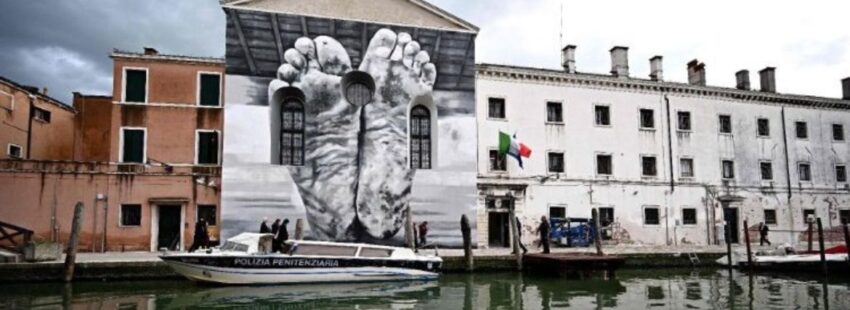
{"type": "Point", "coordinates": [665, 162]}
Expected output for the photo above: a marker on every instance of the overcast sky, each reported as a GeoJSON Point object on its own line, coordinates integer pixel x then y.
{"type": "Point", "coordinates": [64, 44]}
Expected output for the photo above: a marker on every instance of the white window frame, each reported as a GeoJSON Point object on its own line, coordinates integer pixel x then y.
{"type": "Point", "coordinates": [9, 150]}
{"type": "Point", "coordinates": [596, 164]}
{"type": "Point", "coordinates": [734, 172]}
{"type": "Point", "coordinates": [121, 215]}
{"type": "Point", "coordinates": [758, 135]}
{"type": "Point", "coordinates": [489, 168]}
{"type": "Point", "coordinates": [775, 216]}
{"type": "Point", "coordinates": [546, 113]}
{"type": "Point", "coordinates": [11, 96]}
{"type": "Point", "coordinates": [198, 145]}
{"type": "Point", "coordinates": [835, 172]}
{"type": "Point", "coordinates": [121, 145]}
{"type": "Point", "coordinates": [504, 108]}
{"type": "Point", "coordinates": [643, 215]}
{"type": "Point", "coordinates": [690, 119]}
{"type": "Point", "coordinates": [693, 168]}
{"type": "Point", "coordinates": [640, 119]}
{"type": "Point", "coordinates": [563, 162]}
{"type": "Point", "coordinates": [124, 84]}
{"type": "Point", "coordinates": [832, 134]}
{"type": "Point", "coordinates": [657, 171]}
{"type": "Point", "coordinates": [761, 177]}
{"type": "Point", "coordinates": [198, 89]}
{"type": "Point", "coordinates": [799, 176]}
{"type": "Point", "coordinates": [808, 132]}
{"type": "Point", "coordinates": [696, 216]}
{"type": "Point", "coordinates": [610, 115]}
{"type": "Point", "coordinates": [731, 127]}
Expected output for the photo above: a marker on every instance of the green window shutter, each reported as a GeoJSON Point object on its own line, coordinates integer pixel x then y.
{"type": "Point", "coordinates": [136, 84]}
{"type": "Point", "coordinates": [210, 90]}
{"type": "Point", "coordinates": [208, 148]}
{"type": "Point", "coordinates": [134, 146]}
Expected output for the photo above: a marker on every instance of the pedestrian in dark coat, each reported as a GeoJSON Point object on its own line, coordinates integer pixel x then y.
{"type": "Point", "coordinates": [201, 237]}
{"type": "Point", "coordinates": [763, 230]}
{"type": "Point", "coordinates": [543, 229]}
{"type": "Point", "coordinates": [282, 236]}
{"type": "Point", "coordinates": [519, 233]}
{"type": "Point", "coordinates": [264, 227]}
{"type": "Point", "coordinates": [423, 234]}
{"type": "Point", "coordinates": [275, 229]}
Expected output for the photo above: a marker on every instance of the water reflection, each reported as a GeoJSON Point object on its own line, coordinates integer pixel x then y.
{"type": "Point", "coordinates": [707, 289]}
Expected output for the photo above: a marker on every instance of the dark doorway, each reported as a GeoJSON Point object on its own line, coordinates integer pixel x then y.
{"type": "Point", "coordinates": [498, 229]}
{"type": "Point", "coordinates": [730, 215]}
{"type": "Point", "coordinates": [168, 235]}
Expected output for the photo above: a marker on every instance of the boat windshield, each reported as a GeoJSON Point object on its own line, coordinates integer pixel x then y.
{"type": "Point", "coordinates": [324, 250]}
{"type": "Point", "coordinates": [234, 246]}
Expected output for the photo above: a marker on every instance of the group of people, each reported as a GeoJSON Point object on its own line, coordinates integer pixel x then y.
{"type": "Point", "coordinates": [543, 229]}
{"type": "Point", "coordinates": [278, 230]}
{"type": "Point", "coordinates": [202, 235]}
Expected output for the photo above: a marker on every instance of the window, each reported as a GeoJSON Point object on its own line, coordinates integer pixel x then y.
{"type": "Point", "coordinates": [133, 145]}
{"type": "Point", "coordinates": [686, 165]}
{"type": "Point", "coordinates": [837, 132]}
{"type": "Point", "coordinates": [557, 212]}
{"type": "Point", "coordinates": [840, 173]}
{"type": "Point", "coordinates": [420, 138]}
{"type": "Point", "coordinates": [554, 112]}
{"type": "Point", "coordinates": [728, 169]}
{"type": "Point", "coordinates": [766, 169]}
{"type": "Point", "coordinates": [603, 115]}
{"type": "Point", "coordinates": [497, 162]}
{"type": "Point", "coordinates": [136, 85]}
{"type": "Point", "coordinates": [556, 162]}
{"type": "Point", "coordinates": [603, 165]}
{"type": "Point", "coordinates": [292, 133]}
{"type": "Point", "coordinates": [131, 215]}
{"type": "Point", "coordinates": [689, 216]}
{"type": "Point", "coordinates": [647, 119]}
{"type": "Point", "coordinates": [14, 151]}
{"type": "Point", "coordinates": [41, 114]}
{"type": "Point", "coordinates": [808, 213]}
{"type": "Point", "coordinates": [606, 216]}
{"type": "Point", "coordinates": [207, 147]}
{"type": "Point", "coordinates": [490, 202]}
{"type": "Point", "coordinates": [844, 216]}
{"type": "Point", "coordinates": [802, 130]}
{"type": "Point", "coordinates": [763, 129]}
{"type": "Point", "coordinates": [496, 108]}
{"type": "Point", "coordinates": [725, 124]}
{"type": "Point", "coordinates": [207, 212]}
{"type": "Point", "coordinates": [209, 91]}
{"type": "Point", "coordinates": [769, 217]}
{"type": "Point", "coordinates": [684, 119]}
{"type": "Point", "coordinates": [648, 168]}
{"type": "Point", "coordinates": [805, 171]}
{"type": "Point", "coordinates": [650, 216]}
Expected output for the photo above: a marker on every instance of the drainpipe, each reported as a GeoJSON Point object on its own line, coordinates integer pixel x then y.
{"type": "Point", "coordinates": [29, 125]}
{"type": "Point", "coordinates": [672, 175]}
{"type": "Point", "coordinates": [787, 176]}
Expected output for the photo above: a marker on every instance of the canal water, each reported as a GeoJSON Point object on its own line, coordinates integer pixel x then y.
{"type": "Point", "coordinates": [628, 289]}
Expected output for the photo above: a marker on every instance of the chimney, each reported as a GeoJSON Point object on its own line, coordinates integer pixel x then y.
{"type": "Point", "coordinates": [44, 90]}
{"type": "Point", "coordinates": [768, 79]}
{"type": "Point", "coordinates": [151, 51]}
{"type": "Point", "coordinates": [568, 58]}
{"type": "Point", "coordinates": [742, 79]}
{"type": "Point", "coordinates": [656, 70]}
{"type": "Point", "coordinates": [845, 86]}
{"type": "Point", "coordinates": [696, 73]}
{"type": "Point", "coordinates": [620, 61]}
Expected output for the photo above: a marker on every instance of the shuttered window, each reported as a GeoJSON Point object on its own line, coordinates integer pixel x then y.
{"type": "Point", "coordinates": [210, 92]}
{"type": "Point", "coordinates": [133, 145]}
{"type": "Point", "coordinates": [135, 85]}
{"type": "Point", "coordinates": [208, 143]}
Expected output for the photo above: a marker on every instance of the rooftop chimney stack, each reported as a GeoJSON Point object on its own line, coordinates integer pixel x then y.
{"type": "Point", "coordinates": [620, 61]}
{"type": "Point", "coordinates": [656, 69]}
{"type": "Point", "coordinates": [768, 79]}
{"type": "Point", "coordinates": [568, 58]}
{"type": "Point", "coordinates": [151, 51]}
{"type": "Point", "coordinates": [44, 90]}
{"type": "Point", "coordinates": [696, 73]}
{"type": "Point", "coordinates": [743, 80]}
{"type": "Point", "coordinates": [845, 86]}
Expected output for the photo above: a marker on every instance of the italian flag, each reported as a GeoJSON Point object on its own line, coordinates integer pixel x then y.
{"type": "Point", "coordinates": [510, 146]}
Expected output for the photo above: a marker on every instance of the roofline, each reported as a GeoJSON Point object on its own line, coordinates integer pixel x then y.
{"type": "Point", "coordinates": [551, 75]}
{"type": "Point", "coordinates": [469, 27]}
{"type": "Point", "coordinates": [165, 57]}
{"type": "Point", "coordinates": [44, 97]}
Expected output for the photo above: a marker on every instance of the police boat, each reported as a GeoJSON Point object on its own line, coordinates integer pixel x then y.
{"type": "Point", "coordinates": [247, 259]}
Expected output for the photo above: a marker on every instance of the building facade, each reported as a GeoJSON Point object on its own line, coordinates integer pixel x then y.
{"type": "Point", "coordinates": [663, 162]}
{"type": "Point", "coordinates": [144, 161]}
{"type": "Point", "coordinates": [34, 125]}
{"type": "Point", "coordinates": [349, 114]}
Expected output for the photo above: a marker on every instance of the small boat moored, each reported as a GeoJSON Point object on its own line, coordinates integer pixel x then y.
{"type": "Point", "coordinates": [246, 259]}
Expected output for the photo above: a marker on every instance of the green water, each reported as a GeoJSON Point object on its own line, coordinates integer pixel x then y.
{"type": "Point", "coordinates": [663, 289]}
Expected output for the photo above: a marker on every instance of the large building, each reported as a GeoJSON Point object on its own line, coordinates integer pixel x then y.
{"type": "Point", "coordinates": [144, 160]}
{"type": "Point", "coordinates": [33, 125]}
{"type": "Point", "coordinates": [664, 162]}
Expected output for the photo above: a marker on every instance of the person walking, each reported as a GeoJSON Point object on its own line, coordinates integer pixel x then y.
{"type": "Point", "coordinates": [201, 235]}
{"type": "Point", "coordinates": [763, 233]}
{"type": "Point", "coordinates": [519, 233]}
{"type": "Point", "coordinates": [282, 236]}
{"type": "Point", "coordinates": [543, 230]}
{"type": "Point", "coordinates": [264, 227]}
{"type": "Point", "coordinates": [423, 234]}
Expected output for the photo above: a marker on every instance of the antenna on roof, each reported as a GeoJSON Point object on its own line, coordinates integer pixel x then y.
{"type": "Point", "coordinates": [561, 30]}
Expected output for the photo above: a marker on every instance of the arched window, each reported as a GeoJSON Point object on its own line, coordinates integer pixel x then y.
{"type": "Point", "coordinates": [420, 138]}
{"type": "Point", "coordinates": [292, 133]}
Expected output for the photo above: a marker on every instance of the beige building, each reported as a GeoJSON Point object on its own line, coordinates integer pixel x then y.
{"type": "Point", "coordinates": [33, 125]}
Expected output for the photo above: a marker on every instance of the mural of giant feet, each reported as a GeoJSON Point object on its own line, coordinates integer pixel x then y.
{"type": "Point", "coordinates": [355, 181]}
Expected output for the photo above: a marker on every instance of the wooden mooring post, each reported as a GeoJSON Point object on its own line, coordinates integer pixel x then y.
{"type": "Point", "coordinates": [749, 250]}
{"type": "Point", "coordinates": [822, 250]}
{"type": "Point", "coordinates": [409, 233]}
{"type": "Point", "coordinates": [71, 252]}
{"type": "Point", "coordinates": [597, 234]}
{"type": "Point", "coordinates": [810, 234]}
{"type": "Point", "coordinates": [728, 245]}
{"type": "Point", "coordinates": [466, 232]}
{"type": "Point", "coordinates": [515, 238]}
{"type": "Point", "coordinates": [299, 229]}
{"type": "Point", "coordinates": [847, 239]}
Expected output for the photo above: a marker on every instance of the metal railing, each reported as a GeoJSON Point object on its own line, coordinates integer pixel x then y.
{"type": "Point", "coordinates": [9, 234]}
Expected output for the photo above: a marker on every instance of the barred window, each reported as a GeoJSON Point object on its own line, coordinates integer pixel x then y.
{"type": "Point", "coordinates": [292, 133]}
{"type": "Point", "coordinates": [420, 138]}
